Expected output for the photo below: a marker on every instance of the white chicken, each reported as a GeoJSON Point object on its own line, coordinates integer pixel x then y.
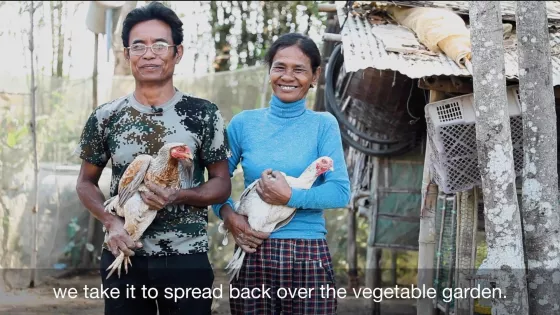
{"type": "Point", "coordinates": [172, 167]}
{"type": "Point", "coordinates": [264, 217]}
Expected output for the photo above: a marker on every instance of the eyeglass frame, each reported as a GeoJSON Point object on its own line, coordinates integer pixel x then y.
{"type": "Point", "coordinates": [151, 48]}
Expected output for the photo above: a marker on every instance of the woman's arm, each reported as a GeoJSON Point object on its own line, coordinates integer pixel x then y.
{"type": "Point", "coordinates": [237, 224]}
{"type": "Point", "coordinates": [334, 192]}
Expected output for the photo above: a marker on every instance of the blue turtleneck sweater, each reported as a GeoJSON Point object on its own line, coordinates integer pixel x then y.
{"type": "Point", "coordinates": [288, 137]}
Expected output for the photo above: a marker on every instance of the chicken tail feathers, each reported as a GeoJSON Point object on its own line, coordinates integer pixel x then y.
{"type": "Point", "coordinates": [235, 264]}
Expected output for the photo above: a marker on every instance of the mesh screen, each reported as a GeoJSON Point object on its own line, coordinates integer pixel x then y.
{"type": "Point", "coordinates": [63, 107]}
{"type": "Point", "coordinates": [446, 225]}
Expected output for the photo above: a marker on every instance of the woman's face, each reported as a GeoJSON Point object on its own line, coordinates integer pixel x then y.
{"type": "Point", "coordinates": [291, 75]}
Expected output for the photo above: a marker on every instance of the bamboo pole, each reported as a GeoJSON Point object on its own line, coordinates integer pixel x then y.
{"type": "Point", "coordinates": [33, 125]}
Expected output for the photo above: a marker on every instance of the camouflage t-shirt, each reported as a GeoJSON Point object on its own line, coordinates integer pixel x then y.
{"type": "Point", "coordinates": [122, 129]}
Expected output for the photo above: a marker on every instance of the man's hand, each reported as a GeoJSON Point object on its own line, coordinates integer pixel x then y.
{"type": "Point", "coordinates": [244, 236]}
{"type": "Point", "coordinates": [119, 240]}
{"type": "Point", "coordinates": [273, 188]}
{"type": "Point", "coordinates": [159, 197]}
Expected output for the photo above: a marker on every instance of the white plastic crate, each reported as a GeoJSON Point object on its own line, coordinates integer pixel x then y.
{"type": "Point", "coordinates": [452, 136]}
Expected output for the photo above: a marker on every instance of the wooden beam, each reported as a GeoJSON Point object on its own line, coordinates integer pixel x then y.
{"type": "Point", "coordinates": [557, 92]}
{"type": "Point", "coordinates": [446, 84]}
{"type": "Point", "coordinates": [327, 7]}
{"type": "Point", "coordinates": [457, 85]}
{"type": "Point", "coordinates": [330, 37]}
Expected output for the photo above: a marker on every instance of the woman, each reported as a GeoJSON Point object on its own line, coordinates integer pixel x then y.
{"type": "Point", "coordinates": [287, 137]}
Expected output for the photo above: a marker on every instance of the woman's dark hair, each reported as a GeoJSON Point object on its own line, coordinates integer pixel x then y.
{"type": "Point", "coordinates": [153, 11]}
{"type": "Point", "coordinates": [306, 44]}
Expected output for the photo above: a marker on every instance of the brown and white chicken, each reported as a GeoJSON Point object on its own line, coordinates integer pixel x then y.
{"type": "Point", "coordinates": [264, 217]}
{"type": "Point", "coordinates": [171, 168]}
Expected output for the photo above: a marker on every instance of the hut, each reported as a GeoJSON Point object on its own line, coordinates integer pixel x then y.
{"type": "Point", "coordinates": [407, 122]}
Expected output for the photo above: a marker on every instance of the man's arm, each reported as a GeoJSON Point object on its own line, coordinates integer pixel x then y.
{"type": "Point", "coordinates": [216, 190]}
{"type": "Point", "coordinates": [92, 198]}
{"type": "Point", "coordinates": [90, 194]}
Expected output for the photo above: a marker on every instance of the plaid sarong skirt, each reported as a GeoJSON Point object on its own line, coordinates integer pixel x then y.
{"type": "Point", "coordinates": [285, 276]}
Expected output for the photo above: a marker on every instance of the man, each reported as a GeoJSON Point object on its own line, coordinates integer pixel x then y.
{"type": "Point", "coordinates": [173, 250]}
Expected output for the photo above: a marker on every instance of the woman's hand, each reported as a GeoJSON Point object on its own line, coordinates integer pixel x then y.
{"type": "Point", "coordinates": [159, 197]}
{"type": "Point", "coordinates": [238, 225]}
{"type": "Point", "coordinates": [273, 188]}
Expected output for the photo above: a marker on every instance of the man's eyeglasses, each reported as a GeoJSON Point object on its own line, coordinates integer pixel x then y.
{"type": "Point", "coordinates": [157, 48]}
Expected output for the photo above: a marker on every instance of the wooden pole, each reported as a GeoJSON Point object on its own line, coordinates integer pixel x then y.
{"type": "Point", "coordinates": [373, 253]}
{"type": "Point", "coordinates": [495, 155]}
{"type": "Point", "coordinates": [427, 234]}
{"type": "Point", "coordinates": [332, 27]}
{"type": "Point", "coordinates": [329, 37]}
{"type": "Point", "coordinates": [94, 76]}
{"type": "Point", "coordinates": [326, 7]}
{"type": "Point", "coordinates": [86, 257]}
{"type": "Point", "coordinates": [351, 249]}
{"type": "Point", "coordinates": [33, 125]}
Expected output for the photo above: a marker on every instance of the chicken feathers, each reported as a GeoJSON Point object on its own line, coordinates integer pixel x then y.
{"type": "Point", "coordinates": [172, 168]}
{"type": "Point", "coordinates": [264, 217]}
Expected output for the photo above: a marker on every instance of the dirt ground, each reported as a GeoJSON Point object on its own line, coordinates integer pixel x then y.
{"type": "Point", "coordinates": [41, 300]}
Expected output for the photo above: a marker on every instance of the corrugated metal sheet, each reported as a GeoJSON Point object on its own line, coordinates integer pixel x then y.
{"type": "Point", "coordinates": [363, 49]}
{"type": "Point", "coordinates": [462, 7]}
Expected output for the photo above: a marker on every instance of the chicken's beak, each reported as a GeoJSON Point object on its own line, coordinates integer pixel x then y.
{"type": "Point", "coordinates": [183, 156]}
{"type": "Point", "coordinates": [331, 169]}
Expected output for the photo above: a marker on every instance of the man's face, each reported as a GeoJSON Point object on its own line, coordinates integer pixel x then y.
{"type": "Point", "coordinates": [149, 66]}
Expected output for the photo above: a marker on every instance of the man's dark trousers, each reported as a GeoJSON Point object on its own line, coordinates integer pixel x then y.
{"type": "Point", "coordinates": [162, 273]}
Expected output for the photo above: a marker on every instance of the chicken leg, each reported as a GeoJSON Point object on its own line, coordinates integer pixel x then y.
{"type": "Point", "coordinates": [136, 221]}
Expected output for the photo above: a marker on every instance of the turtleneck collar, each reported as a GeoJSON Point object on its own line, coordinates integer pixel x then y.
{"type": "Point", "coordinates": [286, 110]}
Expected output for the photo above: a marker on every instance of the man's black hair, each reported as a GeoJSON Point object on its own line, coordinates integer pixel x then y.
{"type": "Point", "coordinates": [153, 11]}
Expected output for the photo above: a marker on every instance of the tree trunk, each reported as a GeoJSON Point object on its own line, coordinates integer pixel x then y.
{"type": "Point", "coordinates": [121, 65]}
{"type": "Point", "coordinates": [53, 34]}
{"type": "Point", "coordinates": [220, 32]}
{"type": "Point", "coordinates": [540, 171]}
{"type": "Point", "coordinates": [60, 53]}
{"type": "Point", "coordinates": [493, 139]}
